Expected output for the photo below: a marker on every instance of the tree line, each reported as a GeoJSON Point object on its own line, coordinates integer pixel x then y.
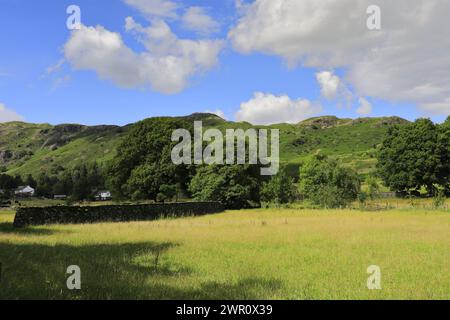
{"type": "Point", "coordinates": [78, 183]}
{"type": "Point", "coordinates": [411, 157]}
{"type": "Point", "coordinates": [143, 169]}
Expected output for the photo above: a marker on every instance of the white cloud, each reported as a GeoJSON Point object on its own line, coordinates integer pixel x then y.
{"type": "Point", "coordinates": [152, 8]}
{"type": "Point", "coordinates": [166, 66]}
{"type": "Point", "coordinates": [365, 107]}
{"type": "Point", "coordinates": [196, 19]}
{"type": "Point", "coordinates": [437, 108]}
{"type": "Point", "coordinates": [240, 5]}
{"type": "Point", "coordinates": [55, 67]}
{"type": "Point", "coordinates": [193, 19]}
{"type": "Point", "coordinates": [407, 61]}
{"type": "Point", "coordinates": [333, 88]}
{"type": "Point", "coordinates": [266, 109]}
{"type": "Point", "coordinates": [8, 115]}
{"type": "Point", "coordinates": [329, 84]}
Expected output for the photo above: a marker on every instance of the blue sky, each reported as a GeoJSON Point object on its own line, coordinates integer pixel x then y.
{"type": "Point", "coordinates": [34, 34]}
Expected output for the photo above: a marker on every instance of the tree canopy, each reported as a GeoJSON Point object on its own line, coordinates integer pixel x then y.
{"type": "Point", "coordinates": [280, 189]}
{"type": "Point", "coordinates": [142, 168]}
{"type": "Point", "coordinates": [232, 185]}
{"type": "Point", "coordinates": [326, 183]}
{"type": "Point", "coordinates": [415, 155]}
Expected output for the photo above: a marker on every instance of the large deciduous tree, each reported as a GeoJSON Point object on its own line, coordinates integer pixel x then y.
{"type": "Point", "coordinates": [414, 156]}
{"type": "Point", "coordinates": [143, 168]}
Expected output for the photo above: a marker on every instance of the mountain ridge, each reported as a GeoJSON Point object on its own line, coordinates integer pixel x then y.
{"type": "Point", "coordinates": [30, 148]}
{"type": "Point", "coordinates": [201, 116]}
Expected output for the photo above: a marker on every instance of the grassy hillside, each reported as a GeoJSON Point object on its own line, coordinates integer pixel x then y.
{"type": "Point", "coordinates": [354, 142]}
{"type": "Point", "coordinates": [30, 148]}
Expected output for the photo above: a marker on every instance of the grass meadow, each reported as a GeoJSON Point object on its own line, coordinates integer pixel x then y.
{"type": "Point", "coordinates": [248, 254]}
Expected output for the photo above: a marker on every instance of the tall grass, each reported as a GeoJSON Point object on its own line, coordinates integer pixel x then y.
{"type": "Point", "coordinates": [252, 254]}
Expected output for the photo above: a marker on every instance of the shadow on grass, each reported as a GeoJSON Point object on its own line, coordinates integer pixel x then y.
{"type": "Point", "coordinates": [112, 271]}
{"type": "Point", "coordinates": [7, 227]}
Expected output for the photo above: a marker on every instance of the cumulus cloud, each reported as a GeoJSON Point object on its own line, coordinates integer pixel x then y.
{"type": "Point", "coordinates": [193, 18]}
{"type": "Point", "coordinates": [365, 107]}
{"type": "Point", "coordinates": [329, 84]}
{"type": "Point", "coordinates": [406, 61]}
{"type": "Point", "coordinates": [266, 108]}
{"type": "Point", "coordinates": [196, 19]}
{"type": "Point", "coordinates": [333, 88]}
{"type": "Point", "coordinates": [8, 115]}
{"type": "Point", "coordinates": [166, 65]}
{"type": "Point", "coordinates": [152, 8]}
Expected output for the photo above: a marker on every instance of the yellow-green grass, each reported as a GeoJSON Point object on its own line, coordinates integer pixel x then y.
{"type": "Point", "coordinates": [401, 203]}
{"type": "Point", "coordinates": [251, 254]}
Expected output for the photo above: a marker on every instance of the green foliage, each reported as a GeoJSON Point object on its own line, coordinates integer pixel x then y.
{"type": "Point", "coordinates": [372, 187]}
{"type": "Point", "coordinates": [138, 155]}
{"type": "Point", "coordinates": [142, 168]}
{"type": "Point", "coordinates": [44, 185]}
{"type": "Point", "coordinates": [235, 186]}
{"type": "Point", "coordinates": [167, 192]}
{"type": "Point", "coordinates": [41, 147]}
{"type": "Point", "coordinates": [415, 156]}
{"type": "Point", "coordinates": [80, 183]}
{"type": "Point", "coordinates": [324, 182]}
{"type": "Point", "coordinates": [280, 189]}
{"type": "Point", "coordinates": [362, 198]}
{"type": "Point", "coordinates": [33, 148]}
{"type": "Point", "coordinates": [30, 181]}
{"type": "Point", "coordinates": [7, 182]}
{"type": "Point", "coordinates": [444, 150]}
{"type": "Point", "coordinates": [439, 199]}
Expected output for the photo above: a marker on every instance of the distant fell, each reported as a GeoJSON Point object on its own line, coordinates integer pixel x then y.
{"type": "Point", "coordinates": [31, 148]}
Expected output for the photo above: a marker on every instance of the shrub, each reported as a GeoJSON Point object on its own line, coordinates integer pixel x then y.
{"type": "Point", "coordinates": [439, 199]}
{"type": "Point", "coordinates": [362, 198]}
{"type": "Point", "coordinates": [280, 189]}
{"type": "Point", "coordinates": [327, 184]}
{"type": "Point", "coordinates": [235, 186]}
{"type": "Point", "coordinates": [373, 188]}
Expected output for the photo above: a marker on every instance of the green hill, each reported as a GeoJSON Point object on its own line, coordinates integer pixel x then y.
{"type": "Point", "coordinates": [32, 148]}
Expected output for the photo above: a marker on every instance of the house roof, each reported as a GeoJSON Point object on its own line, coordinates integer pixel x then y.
{"type": "Point", "coordinates": [25, 188]}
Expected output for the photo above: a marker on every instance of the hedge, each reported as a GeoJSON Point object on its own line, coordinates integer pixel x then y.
{"type": "Point", "coordinates": [115, 213]}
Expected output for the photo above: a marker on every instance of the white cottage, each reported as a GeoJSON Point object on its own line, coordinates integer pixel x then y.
{"type": "Point", "coordinates": [103, 196]}
{"type": "Point", "coordinates": [24, 191]}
